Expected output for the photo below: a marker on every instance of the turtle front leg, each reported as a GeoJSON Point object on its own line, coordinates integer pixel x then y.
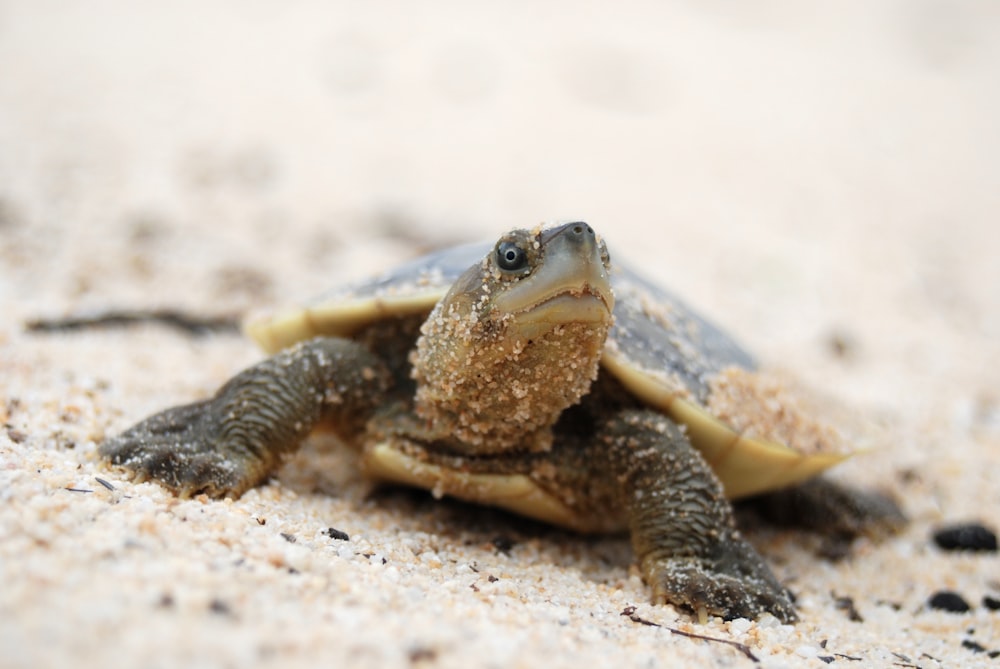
{"type": "Point", "coordinates": [229, 443]}
{"type": "Point", "coordinates": [681, 525]}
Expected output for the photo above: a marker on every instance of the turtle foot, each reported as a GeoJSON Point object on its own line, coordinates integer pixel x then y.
{"type": "Point", "coordinates": [709, 589]}
{"type": "Point", "coordinates": [175, 447]}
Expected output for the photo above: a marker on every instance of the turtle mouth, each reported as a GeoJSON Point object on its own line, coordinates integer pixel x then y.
{"type": "Point", "coordinates": [570, 285]}
{"type": "Point", "coordinates": [583, 305]}
{"type": "Point", "coordinates": [585, 308]}
{"type": "Point", "coordinates": [578, 306]}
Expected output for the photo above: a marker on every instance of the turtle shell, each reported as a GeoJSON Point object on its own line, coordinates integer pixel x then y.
{"type": "Point", "coordinates": [750, 426]}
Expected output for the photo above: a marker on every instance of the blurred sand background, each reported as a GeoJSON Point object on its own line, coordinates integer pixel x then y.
{"type": "Point", "coordinates": [821, 178]}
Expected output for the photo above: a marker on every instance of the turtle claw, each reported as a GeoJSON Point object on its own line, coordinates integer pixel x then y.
{"type": "Point", "coordinates": [702, 589]}
{"type": "Point", "coordinates": [176, 447]}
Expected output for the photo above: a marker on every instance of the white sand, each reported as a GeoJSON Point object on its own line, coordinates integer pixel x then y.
{"type": "Point", "coordinates": [804, 174]}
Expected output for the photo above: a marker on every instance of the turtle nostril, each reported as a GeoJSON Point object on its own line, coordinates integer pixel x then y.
{"type": "Point", "coordinates": [581, 228]}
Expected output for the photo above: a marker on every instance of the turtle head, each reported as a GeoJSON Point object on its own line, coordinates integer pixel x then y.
{"type": "Point", "coordinates": [516, 340]}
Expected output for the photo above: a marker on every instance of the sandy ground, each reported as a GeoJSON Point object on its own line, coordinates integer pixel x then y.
{"type": "Point", "coordinates": [822, 178]}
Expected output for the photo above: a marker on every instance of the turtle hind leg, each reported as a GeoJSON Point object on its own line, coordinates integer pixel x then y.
{"type": "Point", "coordinates": [830, 508]}
{"type": "Point", "coordinates": [682, 527]}
{"type": "Point", "coordinates": [229, 443]}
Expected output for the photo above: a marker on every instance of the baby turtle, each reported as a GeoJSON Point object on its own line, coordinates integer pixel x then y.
{"type": "Point", "coordinates": [532, 376]}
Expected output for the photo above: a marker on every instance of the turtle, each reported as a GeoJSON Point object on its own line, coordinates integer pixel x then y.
{"type": "Point", "coordinates": [533, 375]}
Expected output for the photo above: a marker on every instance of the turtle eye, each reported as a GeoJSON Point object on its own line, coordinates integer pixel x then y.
{"type": "Point", "coordinates": [511, 257]}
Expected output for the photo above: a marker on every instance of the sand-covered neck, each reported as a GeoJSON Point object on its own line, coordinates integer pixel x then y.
{"type": "Point", "coordinates": [496, 393]}
{"type": "Point", "coordinates": [516, 341]}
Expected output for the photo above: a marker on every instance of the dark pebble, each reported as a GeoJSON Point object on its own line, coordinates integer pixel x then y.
{"type": "Point", "coordinates": [339, 535]}
{"type": "Point", "coordinates": [220, 607]}
{"type": "Point", "coordinates": [966, 537]}
{"type": "Point", "coordinates": [503, 544]}
{"type": "Point", "coordinates": [973, 646]}
{"type": "Point", "coordinates": [948, 601]}
{"type": "Point", "coordinates": [846, 604]}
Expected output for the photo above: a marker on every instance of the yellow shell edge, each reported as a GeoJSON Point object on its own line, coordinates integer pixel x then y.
{"type": "Point", "coordinates": [340, 318]}
{"type": "Point", "coordinates": [745, 465]}
{"type": "Point", "coordinates": [513, 492]}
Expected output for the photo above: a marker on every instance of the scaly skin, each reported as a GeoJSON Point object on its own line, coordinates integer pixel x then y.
{"type": "Point", "coordinates": [227, 444]}
{"type": "Point", "coordinates": [681, 525]}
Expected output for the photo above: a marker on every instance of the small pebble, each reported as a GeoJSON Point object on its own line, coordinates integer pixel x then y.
{"type": "Point", "coordinates": [973, 646]}
{"type": "Point", "coordinates": [503, 544]}
{"type": "Point", "coordinates": [966, 537]}
{"type": "Point", "coordinates": [220, 607]}
{"type": "Point", "coordinates": [946, 600]}
{"type": "Point", "coordinates": [339, 535]}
